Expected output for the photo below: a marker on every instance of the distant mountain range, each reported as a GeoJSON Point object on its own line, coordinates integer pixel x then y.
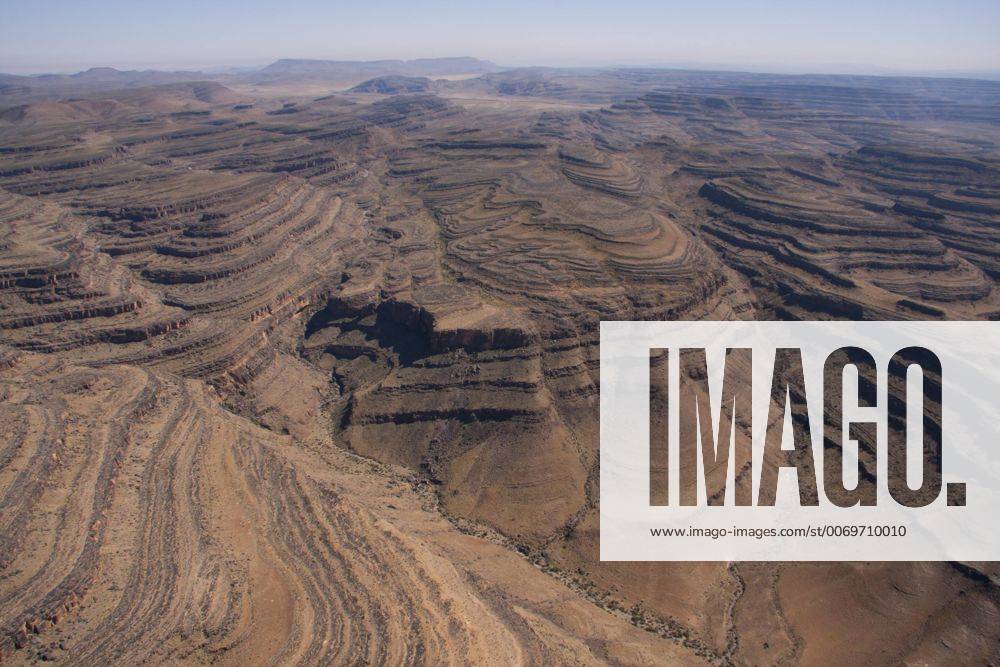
{"type": "Point", "coordinates": [424, 75]}
{"type": "Point", "coordinates": [16, 89]}
{"type": "Point", "coordinates": [320, 69]}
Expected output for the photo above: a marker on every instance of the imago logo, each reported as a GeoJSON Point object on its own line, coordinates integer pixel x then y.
{"type": "Point", "coordinates": [800, 441]}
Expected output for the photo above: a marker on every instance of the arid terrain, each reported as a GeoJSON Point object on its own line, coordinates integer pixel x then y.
{"type": "Point", "coordinates": [299, 366]}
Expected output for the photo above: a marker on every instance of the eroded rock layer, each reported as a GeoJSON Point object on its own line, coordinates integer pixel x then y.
{"type": "Point", "coordinates": [197, 535]}
{"type": "Point", "coordinates": [314, 380]}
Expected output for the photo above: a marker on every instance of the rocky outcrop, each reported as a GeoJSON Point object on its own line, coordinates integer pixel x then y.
{"type": "Point", "coordinates": [393, 85]}
{"type": "Point", "coordinates": [318, 381]}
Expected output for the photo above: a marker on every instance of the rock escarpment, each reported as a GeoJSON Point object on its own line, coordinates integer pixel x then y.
{"type": "Point", "coordinates": [318, 379]}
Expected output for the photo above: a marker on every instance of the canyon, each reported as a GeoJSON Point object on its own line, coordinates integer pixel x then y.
{"type": "Point", "coordinates": [301, 365]}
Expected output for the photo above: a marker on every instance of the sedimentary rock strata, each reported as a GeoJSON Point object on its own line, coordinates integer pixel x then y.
{"type": "Point", "coordinates": [196, 535]}
{"type": "Point", "coordinates": [314, 379]}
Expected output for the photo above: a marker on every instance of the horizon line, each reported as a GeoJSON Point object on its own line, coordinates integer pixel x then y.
{"type": "Point", "coordinates": [816, 69]}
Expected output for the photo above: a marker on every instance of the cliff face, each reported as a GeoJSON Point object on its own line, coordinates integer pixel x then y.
{"type": "Point", "coordinates": [319, 381]}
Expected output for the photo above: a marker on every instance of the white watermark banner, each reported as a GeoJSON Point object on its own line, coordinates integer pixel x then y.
{"type": "Point", "coordinates": [785, 441]}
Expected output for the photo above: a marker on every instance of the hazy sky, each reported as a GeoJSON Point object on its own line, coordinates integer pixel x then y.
{"type": "Point", "coordinates": [916, 35]}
